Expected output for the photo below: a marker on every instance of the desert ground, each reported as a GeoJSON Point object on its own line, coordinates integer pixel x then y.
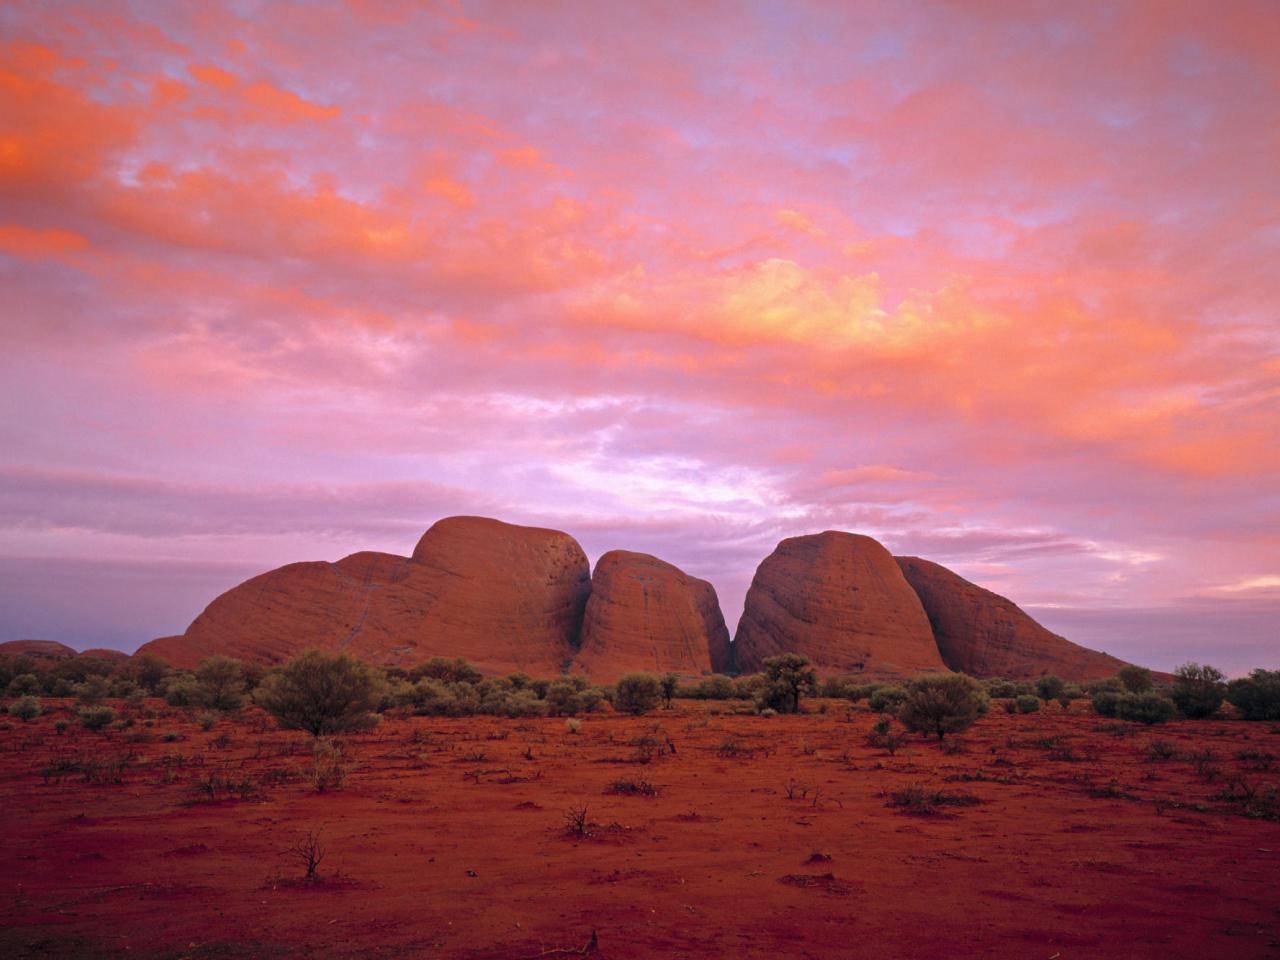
{"type": "Point", "coordinates": [706, 833]}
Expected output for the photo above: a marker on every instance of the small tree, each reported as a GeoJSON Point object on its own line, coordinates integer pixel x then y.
{"type": "Point", "coordinates": [1198, 690]}
{"type": "Point", "coordinates": [1050, 687]}
{"type": "Point", "coordinates": [1256, 696]}
{"type": "Point", "coordinates": [670, 683]}
{"type": "Point", "coordinates": [322, 693]}
{"type": "Point", "coordinates": [942, 703]}
{"type": "Point", "coordinates": [637, 693]}
{"type": "Point", "coordinates": [1135, 679]}
{"type": "Point", "coordinates": [220, 683]}
{"type": "Point", "coordinates": [787, 678]}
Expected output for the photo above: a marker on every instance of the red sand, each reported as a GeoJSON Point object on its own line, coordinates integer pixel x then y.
{"type": "Point", "coordinates": [447, 841]}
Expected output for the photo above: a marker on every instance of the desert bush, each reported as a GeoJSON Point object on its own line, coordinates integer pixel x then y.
{"type": "Point", "coordinates": [1027, 703]}
{"type": "Point", "coordinates": [95, 718]}
{"type": "Point", "coordinates": [328, 767]}
{"type": "Point", "coordinates": [1135, 679]}
{"type": "Point", "coordinates": [26, 708]}
{"type": "Point", "coordinates": [456, 670]}
{"type": "Point", "coordinates": [1048, 688]}
{"type": "Point", "coordinates": [60, 727]}
{"type": "Point", "coordinates": [322, 693]}
{"type": "Point", "coordinates": [848, 686]}
{"type": "Point", "coordinates": [1148, 708]}
{"type": "Point", "coordinates": [181, 690]}
{"type": "Point", "coordinates": [147, 671]}
{"type": "Point", "coordinates": [1198, 690]}
{"type": "Point", "coordinates": [207, 720]}
{"type": "Point", "coordinates": [220, 684]}
{"type": "Point", "coordinates": [93, 690]}
{"type": "Point", "coordinates": [921, 800]}
{"type": "Point", "coordinates": [884, 736]}
{"type": "Point", "coordinates": [747, 688]}
{"type": "Point", "coordinates": [1104, 702]}
{"type": "Point", "coordinates": [1256, 696]}
{"type": "Point", "coordinates": [1161, 750]}
{"type": "Point", "coordinates": [670, 683]}
{"type": "Point", "coordinates": [1000, 689]}
{"type": "Point", "coordinates": [309, 852]}
{"type": "Point", "coordinates": [633, 788]}
{"type": "Point", "coordinates": [887, 698]}
{"type": "Point", "coordinates": [788, 677]}
{"type": "Point", "coordinates": [715, 687]}
{"type": "Point", "coordinates": [942, 703]}
{"type": "Point", "coordinates": [1010, 705]}
{"type": "Point", "coordinates": [1104, 685]}
{"type": "Point", "coordinates": [24, 684]}
{"type": "Point", "coordinates": [637, 693]}
{"type": "Point", "coordinates": [570, 696]}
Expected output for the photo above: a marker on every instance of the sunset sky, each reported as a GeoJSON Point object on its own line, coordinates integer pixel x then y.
{"type": "Point", "coordinates": [997, 283]}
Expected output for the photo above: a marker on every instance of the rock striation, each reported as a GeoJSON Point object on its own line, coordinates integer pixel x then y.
{"type": "Point", "coordinates": [647, 615]}
{"type": "Point", "coordinates": [504, 596]}
{"type": "Point", "coordinates": [840, 600]}
{"type": "Point", "coordinates": [986, 635]}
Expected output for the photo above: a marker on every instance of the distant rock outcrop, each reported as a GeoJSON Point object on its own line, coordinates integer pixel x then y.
{"type": "Point", "coordinates": [840, 600]}
{"type": "Point", "coordinates": [983, 634]}
{"type": "Point", "coordinates": [44, 649]}
{"type": "Point", "coordinates": [104, 653]}
{"type": "Point", "coordinates": [505, 597]}
{"type": "Point", "coordinates": [646, 615]}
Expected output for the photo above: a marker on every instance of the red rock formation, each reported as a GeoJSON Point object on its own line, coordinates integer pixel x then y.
{"type": "Point", "coordinates": [986, 635]}
{"type": "Point", "coordinates": [645, 614]}
{"type": "Point", "coordinates": [104, 653]}
{"type": "Point", "coordinates": [47, 649]}
{"type": "Point", "coordinates": [840, 600]}
{"type": "Point", "coordinates": [503, 596]}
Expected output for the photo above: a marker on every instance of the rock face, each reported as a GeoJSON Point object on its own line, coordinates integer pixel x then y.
{"type": "Point", "coordinates": [505, 597]}
{"type": "Point", "coordinates": [646, 615]}
{"type": "Point", "coordinates": [46, 649]}
{"type": "Point", "coordinates": [840, 600]}
{"type": "Point", "coordinates": [986, 635]}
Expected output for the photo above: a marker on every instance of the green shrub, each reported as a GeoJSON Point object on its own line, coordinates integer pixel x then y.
{"type": "Point", "coordinates": [1148, 708]}
{"type": "Point", "coordinates": [571, 696]}
{"type": "Point", "coordinates": [1198, 690]}
{"type": "Point", "coordinates": [637, 693]}
{"type": "Point", "coordinates": [747, 688]}
{"type": "Point", "coordinates": [456, 670]}
{"type": "Point", "coordinates": [95, 718]}
{"type": "Point", "coordinates": [181, 690]}
{"type": "Point", "coordinates": [1256, 696]}
{"type": "Point", "coordinates": [1048, 688]}
{"type": "Point", "coordinates": [788, 677]}
{"type": "Point", "coordinates": [885, 699]}
{"type": "Point", "coordinates": [715, 687]}
{"type": "Point", "coordinates": [942, 703]}
{"type": "Point", "coordinates": [26, 708]}
{"type": "Point", "coordinates": [1104, 685]}
{"type": "Point", "coordinates": [670, 683]}
{"type": "Point", "coordinates": [94, 690]}
{"type": "Point", "coordinates": [1104, 702]}
{"type": "Point", "coordinates": [220, 684]}
{"type": "Point", "coordinates": [1027, 703]}
{"type": "Point", "coordinates": [322, 693]}
{"type": "Point", "coordinates": [1135, 679]}
{"type": "Point", "coordinates": [24, 684]}
{"type": "Point", "coordinates": [1000, 689]}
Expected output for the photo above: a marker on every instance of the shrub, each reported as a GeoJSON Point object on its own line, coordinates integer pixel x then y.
{"type": "Point", "coordinates": [322, 693]}
{"type": "Point", "coordinates": [883, 735]}
{"type": "Point", "coordinates": [942, 703]}
{"type": "Point", "coordinates": [670, 682]}
{"type": "Point", "coordinates": [329, 765]}
{"type": "Point", "coordinates": [1104, 702]}
{"type": "Point", "coordinates": [715, 687]}
{"type": "Point", "coordinates": [1256, 696]}
{"type": "Point", "coordinates": [26, 708]}
{"type": "Point", "coordinates": [1028, 704]}
{"type": "Point", "coordinates": [570, 696]}
{"type": "Point", "coordinates": [637, 693]}
{"type": "Point", "coordinates": [747, 688]}
{"type": "Point", "coordinates": [181, 690]}
{"type": "Point", "coordinates": [1148, 708]}
{"type": "Point", "coordinates": [1198, 690]}
{"type": "Point", "coordinates": [220, 684]}
{"type": "Point", "coordinates": [456, 670]}
{"type": "Point", "coordinates": [1010, 706]}
{"type": "Point", "coordinates": [1000, 689]}
{"type": "Point", "coordinates": [95, 718]}
{"type": "Point", "coordinates": [95, 689]}
{"type": "Point", "coordinates": [787, 678]}
{"type": "Point", "coordinates": [1047, 688]}
{"type": "Point", "coordinates": [24, 684]}
{"type": "Point", "coordinates": [919, 799]}
{"type": "Point", "coordinates": [886, 699]}
{"type": "Point", "coordinates": [146, 670]}
{"type": "Point", "coordinates": [1135, 679]}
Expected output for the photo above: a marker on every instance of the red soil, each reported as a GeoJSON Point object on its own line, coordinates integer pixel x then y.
{"type": "Point", "coordinates": [446, 840]}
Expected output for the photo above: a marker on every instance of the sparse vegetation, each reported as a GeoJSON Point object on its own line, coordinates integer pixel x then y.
{"type": "Point", "coordinates": [1149, 708]}
{"type": "Point", "coordinates": [1135, 679]}
{"type": "Point", "coordinates": [787, 678]}
{"type": "Point", "coordinates": [1198, 690]}
{"type": "Point", "coordinates": [1028, 703]}
{"type": "Point", "coordinates": [919, 799]}
{"type": "Point", "coordinates": [26, 708]}
{"type": "Point", "coordinates": [1256, 696]}
{"type": "Point", "coordinates": [95, 718]}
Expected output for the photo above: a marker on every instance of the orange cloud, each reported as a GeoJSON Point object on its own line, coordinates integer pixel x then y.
{"type": "Point", "coordinates": [17, 240]}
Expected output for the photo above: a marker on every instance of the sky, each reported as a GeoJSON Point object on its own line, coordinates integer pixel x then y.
{"type": "Point", "coordinates": [994, 282]}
